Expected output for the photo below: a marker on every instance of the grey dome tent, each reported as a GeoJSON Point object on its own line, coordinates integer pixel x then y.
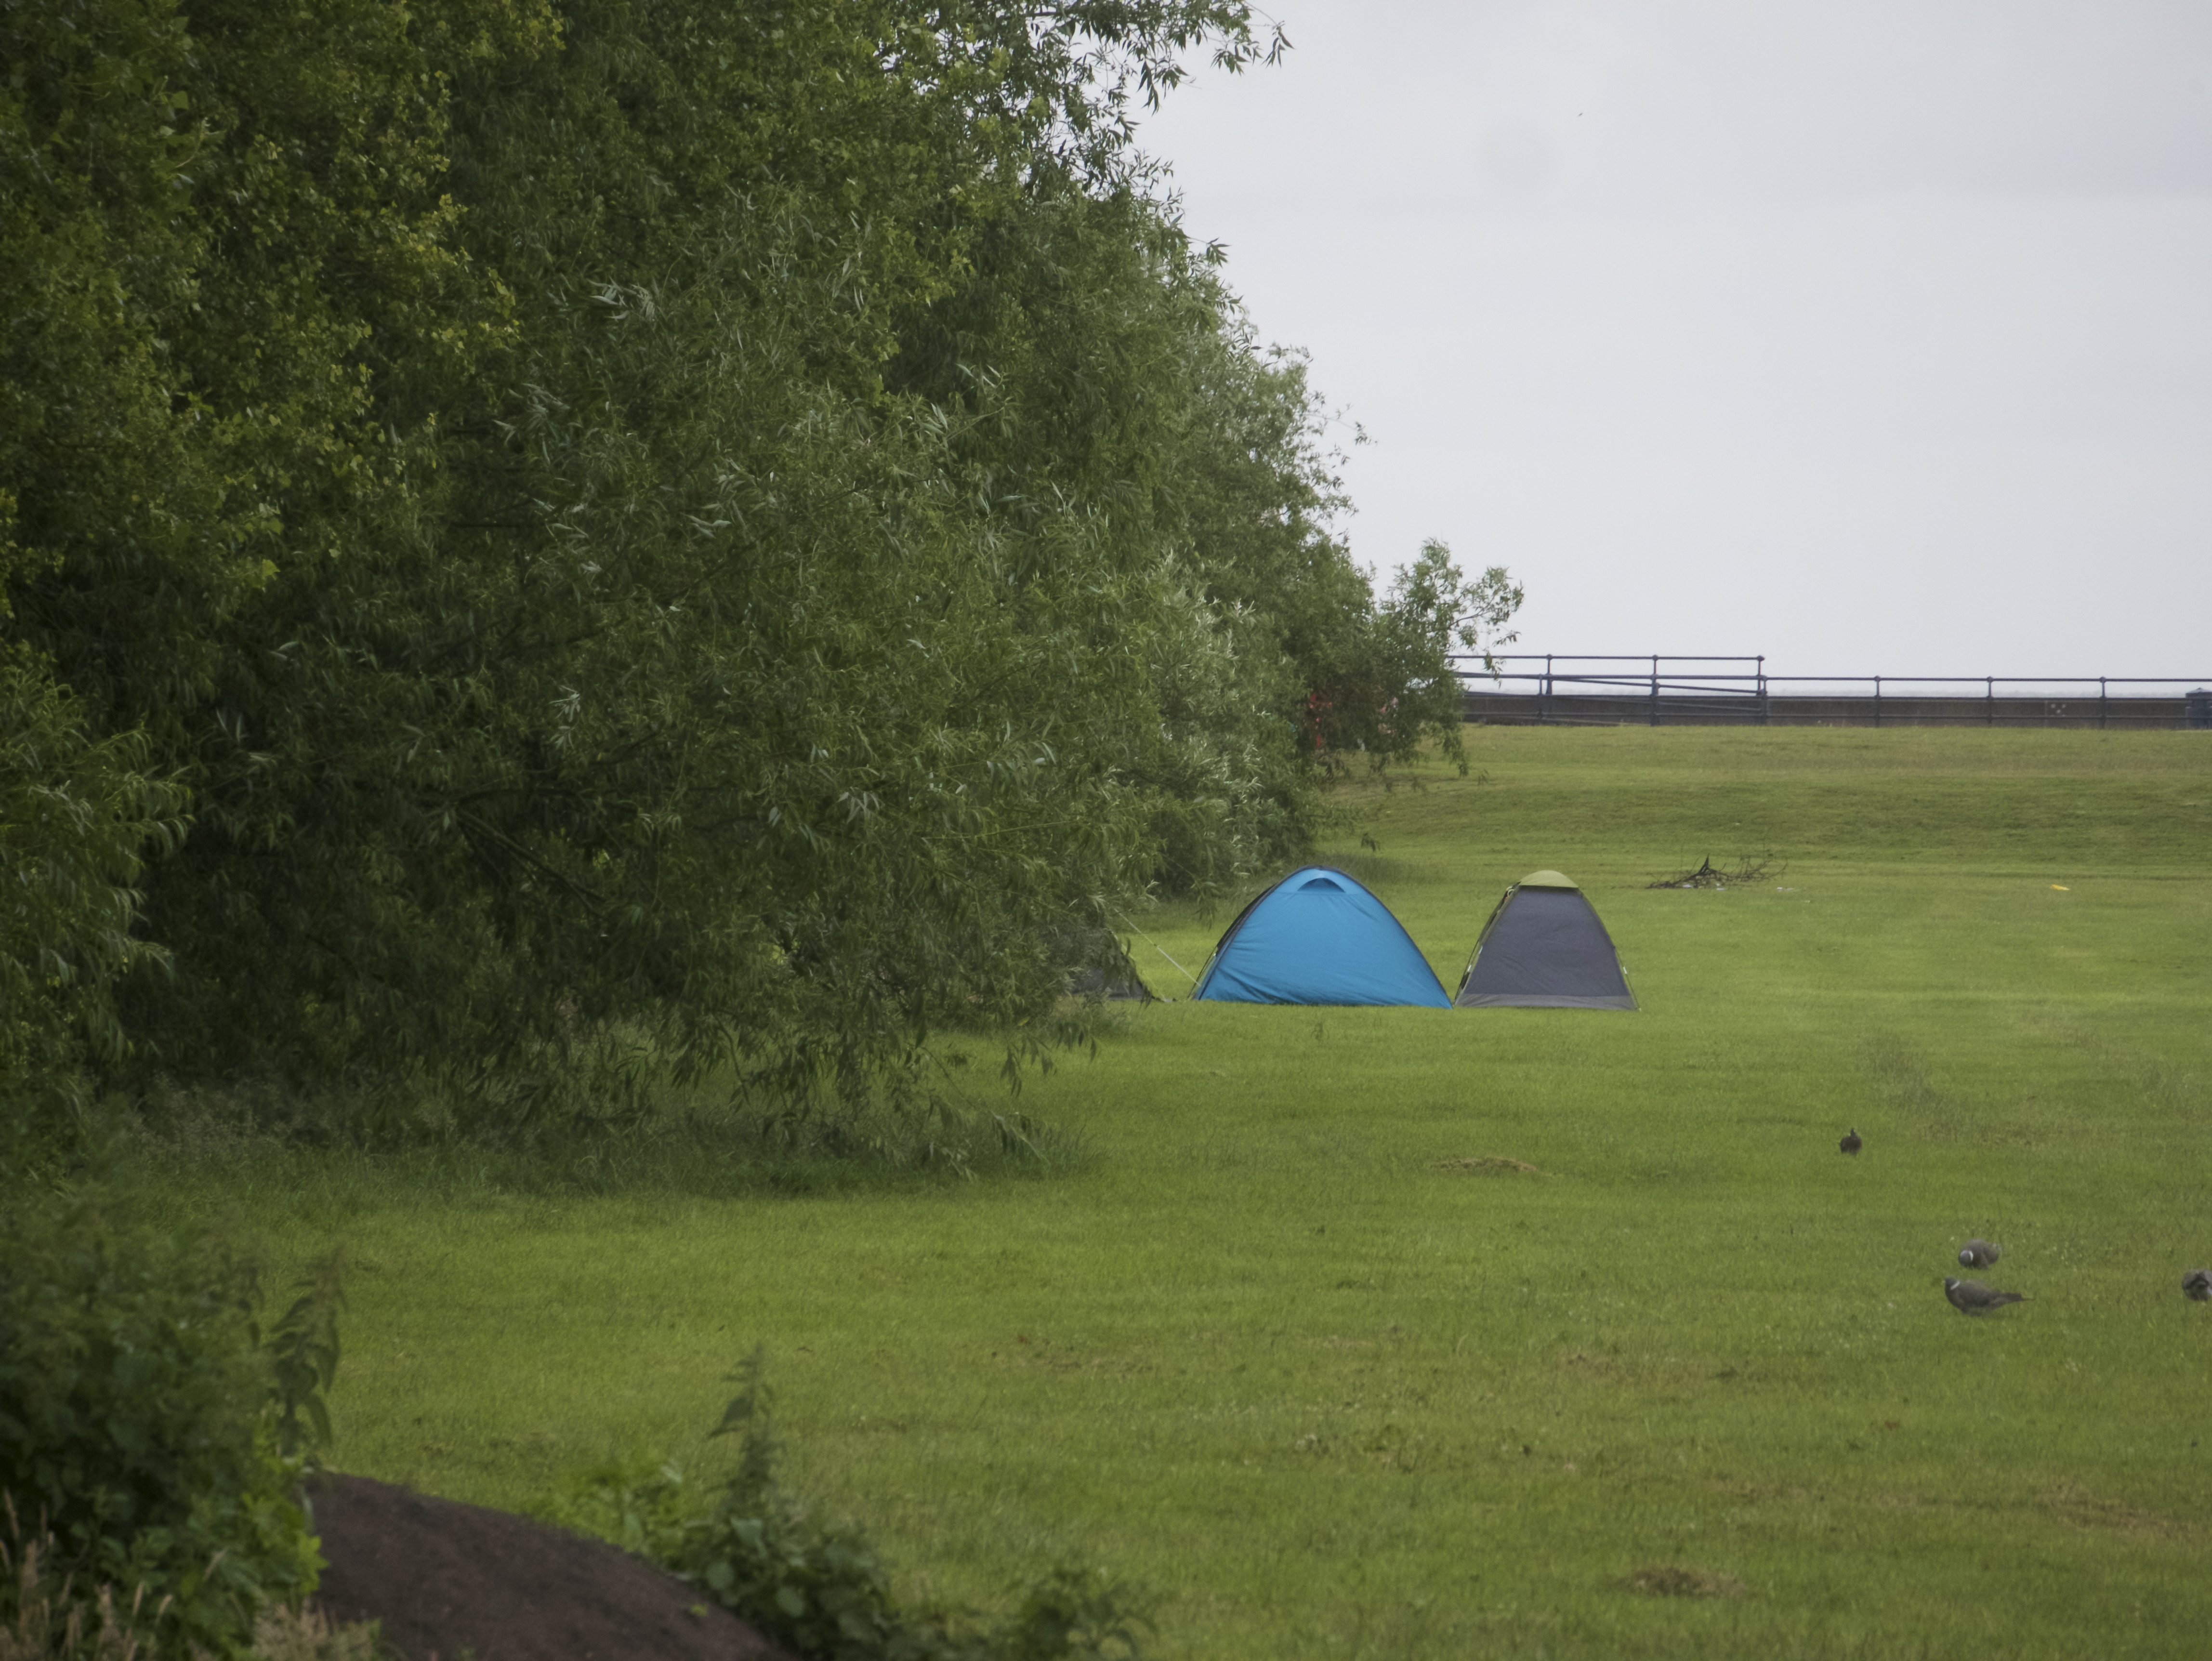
{"type": "Point", "coordinates": [1544, 948]}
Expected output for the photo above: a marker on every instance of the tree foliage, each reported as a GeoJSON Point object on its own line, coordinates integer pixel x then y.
{"type": "Point", "coordinates": [657, 536]}
{"type": "Point", "coordinates": [77, 815]}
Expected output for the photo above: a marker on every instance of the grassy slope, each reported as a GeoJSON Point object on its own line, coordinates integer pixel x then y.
{"type": "Point", "coordinates": [1330, 1399]}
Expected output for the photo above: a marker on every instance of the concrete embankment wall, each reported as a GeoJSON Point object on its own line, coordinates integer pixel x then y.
{"type": "Point", "coordinates": [1564, 709]}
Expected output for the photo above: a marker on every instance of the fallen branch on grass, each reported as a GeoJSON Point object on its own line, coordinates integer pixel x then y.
{"type": "Point", "coordinates": [1708, 875]}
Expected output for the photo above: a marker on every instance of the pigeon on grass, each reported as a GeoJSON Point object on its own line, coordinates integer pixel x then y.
{"type": "Point", "coordinates": [1979, 1254]}
{"type": "Point", "coordinates": [2198, 1283]}
{"type": "Point", "coordinates": [1851, 1144]}
{"type": "Point", "coordinates": [1973, 1298]}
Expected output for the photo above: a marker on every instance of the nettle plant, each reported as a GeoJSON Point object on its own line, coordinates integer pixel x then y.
{"type": "Point", "coordinates": [818, 1588]}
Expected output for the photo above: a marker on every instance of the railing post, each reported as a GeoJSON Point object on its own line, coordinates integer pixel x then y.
{"type": "Point", "coordinates": [1544, 712]}
{"type": "Point", "coordinates": [2102, 694]}
{"type": "Point", "coordinates": [1655, 688]}
{"type": "Point", "coordinates": [1877, 700]}
{"type": "Point", "coordinates": [1990, 708]}
{"type": "Point", "coordinates": [1763, 711]}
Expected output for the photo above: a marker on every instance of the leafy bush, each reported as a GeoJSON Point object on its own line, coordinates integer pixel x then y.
{"type": "Point", "coordinates": [820, 1589]}
{"type": "Point", "coordinates": [149, 1430]}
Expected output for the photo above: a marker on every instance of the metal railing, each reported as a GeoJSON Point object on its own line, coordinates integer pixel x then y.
{"type": "Point", "coordinates": [1660, 688]}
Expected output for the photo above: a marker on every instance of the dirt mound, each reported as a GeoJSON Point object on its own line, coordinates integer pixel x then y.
{"type": "Point", "coordinates": [443, 1578]}
{"type": "Point", "coordinates": [1489, 1163]}
{"type": "Point", "coordinates": [1681, 1580]}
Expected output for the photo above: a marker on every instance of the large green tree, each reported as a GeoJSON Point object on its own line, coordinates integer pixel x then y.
{"type": "Point", "coordinates": [656, 535]}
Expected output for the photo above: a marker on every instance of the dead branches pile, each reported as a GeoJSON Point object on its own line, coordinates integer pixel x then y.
{"type": "Point", "coordinates": [1707, 875]}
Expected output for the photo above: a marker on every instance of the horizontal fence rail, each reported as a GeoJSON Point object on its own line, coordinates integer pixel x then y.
{"type": "Point", "coordinates": [1662, 690]}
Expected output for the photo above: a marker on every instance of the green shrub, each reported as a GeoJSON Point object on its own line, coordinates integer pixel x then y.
{"type": "Point", "coordinates": [820, 1589]}
{"type": "Point", "coordinates": [150, 1428]}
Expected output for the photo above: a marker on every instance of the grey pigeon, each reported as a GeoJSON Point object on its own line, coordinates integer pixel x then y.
{"type": "Point", "coordinates": [1973, 1298]}
{"type": "Point", "coordinates": [1979, 1254]}
{"type": "Point", "coordinates": [2198, 1283]}
{"type": "Point", "coordinates": [1851, 1144]}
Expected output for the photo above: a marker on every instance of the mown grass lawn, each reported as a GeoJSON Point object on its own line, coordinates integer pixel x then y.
{"type": "Point", "coordinates": [1267, 1352]}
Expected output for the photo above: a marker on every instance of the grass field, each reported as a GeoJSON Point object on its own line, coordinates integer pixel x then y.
{"type": "Point", "coordinates": [1263, 1350]}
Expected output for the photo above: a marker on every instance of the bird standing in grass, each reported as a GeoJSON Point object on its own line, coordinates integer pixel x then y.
{"type": "Point", "coordinates": [1973, 1298]}
{"type": "Point", "coordinates": [1851, 1144]}
{"type": "Point", "coordinates": [2198, 1283]}
{"type": "Point", "coordinates": [1979, 1254]}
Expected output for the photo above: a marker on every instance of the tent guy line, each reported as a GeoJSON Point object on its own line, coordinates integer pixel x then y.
{"type": "Point", "coordinates": [1156, 946]}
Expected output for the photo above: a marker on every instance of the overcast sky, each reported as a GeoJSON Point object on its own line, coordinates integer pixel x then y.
{"type": "Point", "coordinates": [1875, 337]}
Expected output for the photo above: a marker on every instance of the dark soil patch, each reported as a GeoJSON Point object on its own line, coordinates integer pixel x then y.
{"type": "Point", "coordinates": [441, 1577]}
{"type": "Point", "coordinates": [1681, 1581]}
{"type": "Point", "coordinates": [1489, 1164]}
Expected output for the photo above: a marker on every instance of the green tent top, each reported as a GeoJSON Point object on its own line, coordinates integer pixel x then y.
{"type": "Point", "coordinates": [1547, 879]}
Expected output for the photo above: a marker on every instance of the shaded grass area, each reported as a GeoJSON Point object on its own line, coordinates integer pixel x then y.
{"type": "Point", "coordinates": [707, 1141]}
{"type": "Point", "coordinates": [1300, 1346]}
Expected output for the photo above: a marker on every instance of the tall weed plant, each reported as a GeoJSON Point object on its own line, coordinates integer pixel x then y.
{"type": "Point", "coordinates": [820, 1589]}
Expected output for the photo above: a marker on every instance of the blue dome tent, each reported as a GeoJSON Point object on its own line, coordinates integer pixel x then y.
{"type": "Point", "coordinates": [1318, 937]}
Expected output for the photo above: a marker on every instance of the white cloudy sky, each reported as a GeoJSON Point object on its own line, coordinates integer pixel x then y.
{"type": "Point", "coordinates": [1875, 337]}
